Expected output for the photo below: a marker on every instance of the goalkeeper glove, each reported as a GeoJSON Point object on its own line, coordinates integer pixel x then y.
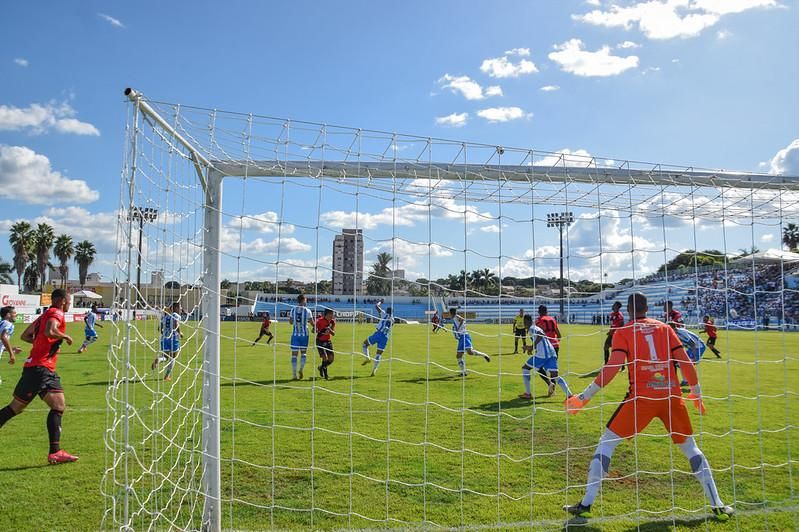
{"type": "Point", "coordinates": [696, 398]}
{"type": "Point", "coordinates": [575, 403]}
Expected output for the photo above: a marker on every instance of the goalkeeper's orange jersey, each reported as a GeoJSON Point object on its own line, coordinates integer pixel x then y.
{"type": "Point", "coordinates": [651, 347]}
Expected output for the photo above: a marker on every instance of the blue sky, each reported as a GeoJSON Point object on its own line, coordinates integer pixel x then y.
{"type": "Point", "coordinates": [709, 83]}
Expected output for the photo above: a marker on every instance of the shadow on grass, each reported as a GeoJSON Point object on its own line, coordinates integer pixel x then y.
{"type": "Point", "coordinates": [24, 467]}
{"type": "Point", "coordinates": [446, 378]}
{"type": "Point", "coordinates": [278, 382]}
{"type": "Point", "coordinates": [516, 403]}
{"type": "Point", "coordinates": [655, 526]}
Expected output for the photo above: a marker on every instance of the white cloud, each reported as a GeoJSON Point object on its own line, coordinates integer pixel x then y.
{"type": "Point", "coordinates": [628, 44]}
{"type": "Point", "coordinates": [265, 222]}
{"type": "Point", "coordinates": [675, 60]}
{"type": "Point", "coordinates": [111, 20]}
{"type": "Point", "coordinates": [786, 161]}
{"type": "Point", "coordinates": [468, 88]}
{"type": "Point", "coordinates": [725, 7]}
{"type": "Point", "coordinates": [668, 19]}
{"type": "Point", "coordinates": [723, 34]}
{"type": "Point", "coordinates": [407, 255]}
{"type": "Point", "coordinates": [521, 52]}
{"type": "Point", "coordinates": [550, 88]}
{"type": "Point", "coordinates": [503, 114]}
{"type": "Point", "coordinates": [39, 118]}
{"type": "Point", "coordinates": [453, 120]}
{"type": "Point", "coordinates": [573, 59]}
{"type": "Point", "coordinates": [596, 3]}
{"type": "Point", "coordinates": [27, 176]}
{"type": "Point", "coordinates": [502, 67]}
{"type": "Point", "coordinates": [567, 157]}
{"type": "Point", "coordinates": [285, 245]}
{"type": "Point", "coordinates": [21, 61]}
{"type": "Point", "coordinates": [769, 237]}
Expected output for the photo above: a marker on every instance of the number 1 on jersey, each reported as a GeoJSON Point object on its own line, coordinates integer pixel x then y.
{"type": "Point", "coordinates": [650, 341]}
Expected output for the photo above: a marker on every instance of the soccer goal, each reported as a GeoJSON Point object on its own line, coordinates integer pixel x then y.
{"type": "Point", "coordinates": [226, 218]}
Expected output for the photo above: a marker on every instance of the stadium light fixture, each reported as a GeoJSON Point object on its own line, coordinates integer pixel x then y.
{"type": "Point", "coordinates": [141, 215]}
{"type": "Point", "coordinates": [560, 220]}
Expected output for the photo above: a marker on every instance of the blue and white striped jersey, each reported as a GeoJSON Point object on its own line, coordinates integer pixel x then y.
{"type": "Point", "coordinates": [299, 317]}
{"type": "Point", "coordinates": [169, 325]}
{"type": "Point", "coordinates": [6, 327]}
{"type": "Point", "coordinates": [459, 328]}
{"type": "Point", "coordinates": [90, 320]}
{"type": "Point", "coordinates": [385, 323]}
{"type": "Point", "coordinates": [544, 348]}
{"type": "Point", "coordinates": [694, 346]}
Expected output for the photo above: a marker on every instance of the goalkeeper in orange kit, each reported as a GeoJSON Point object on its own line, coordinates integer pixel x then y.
{"type": "Point", "coordinates": [649, 348]}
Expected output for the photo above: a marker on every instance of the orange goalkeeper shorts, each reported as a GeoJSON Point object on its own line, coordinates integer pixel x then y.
{"type": "Point", "coordinates": [634, 414]}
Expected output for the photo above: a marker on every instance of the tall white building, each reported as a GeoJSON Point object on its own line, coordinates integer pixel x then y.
{"type": "Point", "coordinates": [348, 262]}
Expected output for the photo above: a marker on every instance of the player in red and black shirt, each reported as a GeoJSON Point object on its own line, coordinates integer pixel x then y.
{"type": "Point", "coordinates": [710, 329]}
{"type": "Point", "coordinates": [616, 322]}
{"type": "Point", "coordinates": [550, 327]}
{"type": "Point", "coordinates": [436, 321]}
{"type": "Point", "coordinates": [325, 330]}
{"type": "Point", "coordinates": [39, 377]}
{"type": "Point", "coordinates": [673, 316]}
{"type": "Point", "coordinates": [265, 330]}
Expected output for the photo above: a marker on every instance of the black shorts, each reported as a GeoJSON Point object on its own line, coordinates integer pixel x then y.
{"type": "Point", "coordinates": [520, 332]}
{"type": "Point", "coordinates": [325, 347]}
{"type": "Point", "coordinates": [265, 330]}
{"type": "Point", "coordinates": [711, 340]}
{"type": "Point", "coordinates": [37, 380]}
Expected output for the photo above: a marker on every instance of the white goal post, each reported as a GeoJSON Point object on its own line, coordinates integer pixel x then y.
{"type": "Point", "coordinates": [159, 475]}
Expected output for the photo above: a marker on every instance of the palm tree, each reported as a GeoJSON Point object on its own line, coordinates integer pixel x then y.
{"type": "Point", "coordinates": [790, 237]}
{"type": "Point", "coordinates": [43, 238]}
{"type": "Point", "coordinates": [64, 249]}
{"type": "Point", "coordinates": [485, 279]}
{"type": "Point", "coordinates": [20, 240]}
{"type": "Point", "coordinates": [31, 277]}
{"type": "Point", "coordinates": [5, 272]}
{"type": "Point", "coordinates": [379, 281]}
{"type": "Point", "coordinates": [84, 256]}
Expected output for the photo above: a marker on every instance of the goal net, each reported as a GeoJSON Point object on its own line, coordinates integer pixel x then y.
{"type": "Point", "coordinates": [217, 421]}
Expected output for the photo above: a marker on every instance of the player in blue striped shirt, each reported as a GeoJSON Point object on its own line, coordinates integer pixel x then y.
{"type": "Point", "coordinates": [299, 318]}
{"type": "Point", "coordinates": [170, 340]}
{"type": "Point", "coordinates": [8, 316]}
{"type": "Point", "coordinates": [543, 359]}
{"type": "Point", "coordinates": [464, 339]}
{"type": "Point", "coordinates": [90, 320]}
{"type": "Point", "coordinates": [380, 336]}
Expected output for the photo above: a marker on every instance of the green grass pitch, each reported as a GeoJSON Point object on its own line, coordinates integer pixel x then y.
{"type": "Point", "coordinates": [417, 444]}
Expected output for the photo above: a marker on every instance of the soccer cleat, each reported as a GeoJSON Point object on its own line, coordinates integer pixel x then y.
{"type": "Point", "coordinates": [325, 369]}
{"type": "Point", "coordinates": [168, 378]}
{"type": "Point", "coordinates": [551, 389]}
{"type": "Point", "coordinates": [154, 364]}
{"type": "Point", "coordinates": [299, 374]}
{"type": "Point", "coordinates": [525, 395]}
{"type": "Point", "coordinates": [578, 510]}
{"type": "Point", "coordinates": [487, 358]}
{"type": "Point", "coordinates": [463, 373]}
{"type": "Point", "coordinates": [723, 513]}
{"type": "Point", "coordinates": [683, 382]}
{"type": "Point", "coordinates": [61, 457]}
{"type": "Point", "coordinates": [322, 370]}
{"type": "Point", "coordinates": [365, 362]}
{"type": "Point", "coordinates": [373, 372]}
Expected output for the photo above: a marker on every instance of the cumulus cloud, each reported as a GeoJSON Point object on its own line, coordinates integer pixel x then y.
{"type": "Point", "coordinates": [27, 176]}
{"type": "Point", "coordinates": [502, 67]}
{"type": "Point", "coordinates": [265, 222]}
{"type": "Point", "coordinates": [21, 61]}
{"type": "Point", "coordinates": [39, 118]}
{"type": "Point", "coordinates": [521, 52]}
{"type": "Point", "coordinates": [111, 20]}
{"type": "Point", "coordinates": [572, 58]}
{"type": "Point", "coordinates": [768, 237]}
{"type": "Point", "coordinates": [723, 34]}
{"type": "Point", "coordinates": [503, 114]}
{"type": "Point", "coordinates": [628, 44]}
{"type": "Point", "coordinates": [786, 161]}
{"type": "Point", "coordinates": [407, 255]}
{"type": "Point", "coordinates": [468, 88]}
{"type": "Point", "coordinates": [406, 215]}
{"type": "Point", "coordinates": [453, 120]}
{"type": "Point", "coordinates": [566, 157]}
{"type": "Point", "coordinates": [550, 88]}
{"type": "Point", "coordinates": [669, 19]}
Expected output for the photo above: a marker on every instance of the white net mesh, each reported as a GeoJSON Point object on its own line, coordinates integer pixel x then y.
{"type": "Point", "coordinates": [467, 225]}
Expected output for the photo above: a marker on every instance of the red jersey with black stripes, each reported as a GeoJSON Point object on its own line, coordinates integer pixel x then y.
{"type": "Point", "coordinates": [45, 350]}
{"type": "Point", "coordinates": [616, 320]}
{"type": "Point", "coordinates": [550, 327]}
{"type": "Point", "coordinates": [651, 347]}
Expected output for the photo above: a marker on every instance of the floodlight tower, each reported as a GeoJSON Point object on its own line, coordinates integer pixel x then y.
{"type": "Point", "coordinates": [141, 215]}
{"type": "Point", "coordinates": [560, 220]}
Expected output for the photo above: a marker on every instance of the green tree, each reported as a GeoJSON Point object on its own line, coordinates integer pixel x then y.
{"type": "Point", "coordinates": [84, 256]}
{"type": "Point", "coordinates": [690, 258]}
{"type": "Point", "coordinates": [21, 243]}
{"type": "Point", "coordinates": [64, 249]}
{"type": "Point", "coordinates": [379, 280]}
{"type": "Point", "coordinates": [5, 272]}
{"type": "Point", "coordinates": [790, 237]}
{"type": "Point", "coordinates": [43, 238]}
